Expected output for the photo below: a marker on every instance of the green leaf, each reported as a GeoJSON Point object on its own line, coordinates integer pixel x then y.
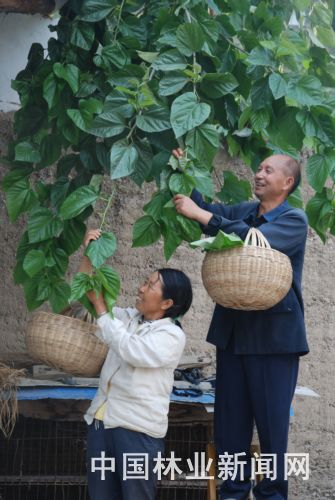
{"type": "Point", "coordinates": [295, 199]}
{"type": "Point", "coordinates": [190, 229]}
{"type": "Point", "coordinates": [149, 57]}
{"type": "Point", "coordinates": [172, 84]}
{"type": "Point", "coordinates": [68, 72]}
{"type": "Point", "coordinates": [284, 132]}
{"type": "Point", "coordinates": [156, 204]}
{"type": "Point", "coordinates": [145, 97]}
{"type": "Point", "coordinates": [277, 85]}
{"type": "Point", "coordinates": [83, 116]}
{"type": "Point", "coordinates": [61, 261]}
{"type": "Point", "coordinates": [181, 184]}
{"type": "Point", "coordinates": [90, 106]}
{"type": "Point", "coordinates": [15, 175]}
{"type": "Point", "coordinates": [326, 36]}
{"type": "Point", "coordinates": [318, 168]}
{"type": "Point", "coordinates": [123, 158]}
{"type": "Point", "coordinates": [59, 296]}
{"type": "Point", "coordinates": [20, 198]}
{"type": "Point", "coordinates": [244, 117]}
{"type": "Point", "coordinates": [321, 15]}
{"type": "Point", "coordinates": [216, 85]}
{"type": "Point", "coordinates": [101, 249]}
{"type": "Point", "coordinates": [260, 119]}
{"type": "Point", "coordinates": [145, 231]}
{"type": "Point", "coordinates": [261, 95]}
{"type": "Point", "coordinates": [50, 90]}
{"type": "Point", "coordinates": [72, 235]}
{"type": "Point", "coordinates": [171, 60]}
{"type": "Point", "coordinates": [43, 224]}
{"type": "Point", "coordinates": [110, 280]}
{"type": "Point", "coordinates": [234, 190]}
{"type": "Point", "coordinates": [187, 113]}
{"type": "Point", "coordinates": [320, 126]}
{"type": "Point", "coordinates": [81, 121]}
{"type": "Point", "coordinates": [86, 89]}
{"type": "Point", "coordinates": [77, 201]}
{"type": "Point", "coordinates": [66, 164]}
{"type": "Point", "coordinates": [70, 132]}
{"type": "Point", "coordinates": [221, 241]}
{"type": "Point", "coordinates": [211, 30]}
{"type": "Point", "coordinates": [25, 151]}
{"type": "Point", "coordinates": [144, 162]}
{"type": "Point", "coordinates": [107, 124]}
{"type": "Point", "coordinates": [202, 179]}
{"type": "Point", "coordinates": [80, 284]}
{"type": "Point", "coordinates": [172, 240]}
{"type": "Point", "coordinates": [260, 57]}
{"type": "Point", "coordinates": [44, 289]}
{"type": "Point", "coordinates": [307, 90]}
{"type": "Point", "coordinates": [110, 302]}
{"type": "Point", "coordinates": [30, 288]}
{"type": "Point", "coordinates": [50, 148]}
{"type": "Point", "coordinates": [82, 35]}
{"type": "Point", "coordinates": [316, 209]}
{"type": "Point", "coordinates": [190, 38]}
{"type": "Point", "coordinates": [204, 142]}
{"type": "Point", "coordinates": [34, 262]}
{"type": "Point", "coordinates": [96, 10]}
{"type": "Point", "coordinates": [59, 191]}
{"type": "Point", "coordinates": [154, 119]}
{"type": "Point", "coordinates": [20, 276]}
{"type": "Point", "coordinates": [115, 54]}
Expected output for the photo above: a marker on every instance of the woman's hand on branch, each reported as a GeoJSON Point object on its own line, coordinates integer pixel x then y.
{"type": "Point", "coordinates": [178, 153]}
{"type": "Point", "coordinates": [91, 234]}
{"type": "Point", "coordinates": [85, 264]}
{"type": "Point", "coordinates": [86, 267]}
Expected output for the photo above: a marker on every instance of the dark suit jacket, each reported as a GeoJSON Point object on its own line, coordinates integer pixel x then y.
{"type": "Point", "coordinates": [280, 329]}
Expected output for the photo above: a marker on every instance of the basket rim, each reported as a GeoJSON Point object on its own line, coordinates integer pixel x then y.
{"type": "Point", "coordinates": [246, 248]}
{"type": "Point", "coordinates": [58, 315]}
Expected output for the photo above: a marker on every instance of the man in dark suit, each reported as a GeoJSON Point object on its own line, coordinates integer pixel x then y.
{"type": "Point", "coordinates": [257, 351]}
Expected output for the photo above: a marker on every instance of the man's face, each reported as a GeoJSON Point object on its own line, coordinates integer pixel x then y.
{"type": "Point", "coordinates": [271, 179]}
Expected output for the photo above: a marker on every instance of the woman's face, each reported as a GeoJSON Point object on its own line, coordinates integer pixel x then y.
{"type": "Point", "coordinates": [149, 301]}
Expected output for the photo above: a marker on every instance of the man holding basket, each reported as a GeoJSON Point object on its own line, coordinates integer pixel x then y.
{"type": "Point", "coordinates": [257, 351]}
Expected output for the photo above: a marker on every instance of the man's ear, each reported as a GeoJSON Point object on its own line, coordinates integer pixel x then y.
{"type": "Point", "coordinates": [167, 304]}
{"type": "Point", "coordinates": [289, 181]}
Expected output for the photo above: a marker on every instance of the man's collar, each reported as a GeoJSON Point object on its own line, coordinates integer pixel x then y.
{"type": "Point", "coordinates": [275, 212]}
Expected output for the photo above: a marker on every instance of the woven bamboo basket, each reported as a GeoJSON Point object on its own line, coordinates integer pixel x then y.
{"type": "Point", "coordinates": [65, 343]}
{"type": "Point", "coordinates": [251, 277]}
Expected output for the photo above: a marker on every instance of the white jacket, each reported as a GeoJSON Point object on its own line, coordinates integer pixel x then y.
{"type": "Point", "coordinates": [139, 366]}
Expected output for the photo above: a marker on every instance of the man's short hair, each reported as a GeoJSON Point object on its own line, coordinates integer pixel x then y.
{"type": "Point", "coordinates": [293, 168]}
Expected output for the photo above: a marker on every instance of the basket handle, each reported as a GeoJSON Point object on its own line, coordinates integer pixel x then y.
{"type": "Point", "coordinates": [256, 238]}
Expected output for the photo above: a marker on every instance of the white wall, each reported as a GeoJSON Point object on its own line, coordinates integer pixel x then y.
{"type": "Point", "coordinates": [17, 33]}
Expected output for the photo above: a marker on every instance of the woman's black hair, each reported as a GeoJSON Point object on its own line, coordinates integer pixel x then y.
{"type": "Point", "coordinates": [176, 286]}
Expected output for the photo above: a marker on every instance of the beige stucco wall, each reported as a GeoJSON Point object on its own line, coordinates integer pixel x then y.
{"type": "Point", "coordinates": [313, 425]}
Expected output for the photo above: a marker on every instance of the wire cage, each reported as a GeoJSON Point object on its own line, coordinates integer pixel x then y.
{"type": "Point", "coordinates": [45, 460]}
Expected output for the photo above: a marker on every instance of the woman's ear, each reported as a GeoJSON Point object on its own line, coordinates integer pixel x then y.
{"type": "Point", "coordinates": [167, 303]}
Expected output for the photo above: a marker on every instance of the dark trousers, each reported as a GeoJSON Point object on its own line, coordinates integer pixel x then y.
{"type": "Point", "coordinates": [117, 443]}
{"type": "Point", "coordinates": [254, 388]}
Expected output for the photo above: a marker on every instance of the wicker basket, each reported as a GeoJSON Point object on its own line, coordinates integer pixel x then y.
{"type": "Point", "coordinates": [65, 343]}
{"type": "Point", "coordinates": [251, 277]}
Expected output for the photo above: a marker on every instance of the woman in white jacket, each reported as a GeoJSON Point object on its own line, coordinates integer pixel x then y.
{"type": "Point", "coordinates": [128, 418]}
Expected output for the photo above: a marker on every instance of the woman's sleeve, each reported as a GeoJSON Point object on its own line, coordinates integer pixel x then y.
{"type": "Point", "coordinates": [161, 347]}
